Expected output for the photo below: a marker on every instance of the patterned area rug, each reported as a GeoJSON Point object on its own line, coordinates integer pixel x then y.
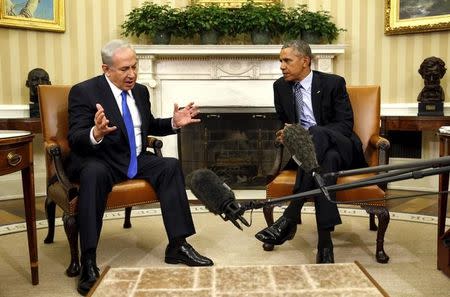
{"type": "Point", "coordinates": [343, 279]}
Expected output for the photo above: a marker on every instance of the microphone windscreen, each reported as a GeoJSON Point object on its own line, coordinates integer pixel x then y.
{"type": "Point", "coordinates": [210, 190]}
{"type": "Point", "coordinates": [299, 143]}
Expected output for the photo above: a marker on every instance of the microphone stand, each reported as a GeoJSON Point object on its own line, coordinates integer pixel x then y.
{"type": "Point", "coordinates": [415, 171]}
{"type": "Point", "coordinates": [381, 168]}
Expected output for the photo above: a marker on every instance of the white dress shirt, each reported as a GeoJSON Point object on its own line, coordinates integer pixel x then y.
{"type": "Point", "coordinates": [134, 115]}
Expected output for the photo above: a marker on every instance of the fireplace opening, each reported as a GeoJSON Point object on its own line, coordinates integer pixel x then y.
{"type": "Point", "coordinates": [236, 143]}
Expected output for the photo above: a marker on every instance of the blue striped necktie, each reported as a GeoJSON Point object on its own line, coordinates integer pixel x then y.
{"type": "Point", "coordinates": [299, 103]}
{"type": "Point", "coordinates": [132, 167]}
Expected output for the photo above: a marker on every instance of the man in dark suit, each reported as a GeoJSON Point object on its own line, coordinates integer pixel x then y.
{"type": "Point", "coordinates": [319, 102]}
{"type": "Point", "coordinates": [109, 120]}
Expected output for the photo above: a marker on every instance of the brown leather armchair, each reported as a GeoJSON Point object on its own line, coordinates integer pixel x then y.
{"type": "Point", "coordinates": [366, 109]}
{"type": "Point", "coordinates": [53, 101]}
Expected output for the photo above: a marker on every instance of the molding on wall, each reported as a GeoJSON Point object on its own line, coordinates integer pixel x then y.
{"type": "Point", "coordinates": [405, 109]}
{"type": "Point", "coordinates": [8, 111]}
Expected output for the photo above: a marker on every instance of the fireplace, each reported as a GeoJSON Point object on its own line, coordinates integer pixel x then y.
{"type": "Point", "coordinates": [236, 143]}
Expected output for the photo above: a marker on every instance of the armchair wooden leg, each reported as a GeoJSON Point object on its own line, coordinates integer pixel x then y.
{"type": "Point", "coordinates": [71, 228]}
{"type": "Point", "coordinates": [50, 208]}
{"type": "Point", "coordinates": [383, 216]}
{"type": "Point", "coordinates": [372, 224]}
{"type": "Point", "coordinates": [127, 221]}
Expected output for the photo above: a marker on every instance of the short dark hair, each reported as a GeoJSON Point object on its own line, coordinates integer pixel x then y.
{"type": "Point", "coordinates": [300, 46]}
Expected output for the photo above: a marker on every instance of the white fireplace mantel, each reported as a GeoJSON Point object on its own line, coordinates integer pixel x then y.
{"type": "Point", "coordinates": [216, 75]}
{"type": "Point", "coordinates": [148, 55]}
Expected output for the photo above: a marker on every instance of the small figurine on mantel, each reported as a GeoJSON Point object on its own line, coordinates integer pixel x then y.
{"type": "Point", "coordinates": [432, 96]}
{"type": "Point", "coordinates": [37, 76]}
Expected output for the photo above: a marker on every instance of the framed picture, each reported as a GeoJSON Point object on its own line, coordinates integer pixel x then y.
{"type": "Point", "coordinates": [46, 15]}
{"type": "Point", "coordinates": [411, 16]}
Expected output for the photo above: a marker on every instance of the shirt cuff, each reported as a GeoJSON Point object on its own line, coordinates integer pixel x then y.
{"type": "Point", "coordinates": [173, 125]}
{"type": "Point", "coordinates": [91, 137]}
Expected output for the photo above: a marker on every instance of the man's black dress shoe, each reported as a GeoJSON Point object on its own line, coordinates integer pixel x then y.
{"type": "Point", "coordinates": [186, 254]}
{"type": "Point", "coordinates": [88, 276]}
{"type": "Point", "coordinates": [280, 231]}
{"type": "Point", "coordinates": [325, 255]}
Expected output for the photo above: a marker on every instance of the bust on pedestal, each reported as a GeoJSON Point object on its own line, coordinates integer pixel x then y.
{"type": "Point", "coordinates": [432, 96]}
{"type": "Point", "coordinates": [37, 76]}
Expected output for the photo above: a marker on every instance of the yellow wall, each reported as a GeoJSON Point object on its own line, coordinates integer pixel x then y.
{"type": "Point", "coordinates": [370, 58]}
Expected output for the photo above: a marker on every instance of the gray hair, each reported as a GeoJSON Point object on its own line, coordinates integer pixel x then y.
{"type": "Point", "coordinates": [110, 48]}
{"type": "Point", "coordinates": [301, 47]}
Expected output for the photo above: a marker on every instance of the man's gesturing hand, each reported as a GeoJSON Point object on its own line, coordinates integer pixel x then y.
{"type": "Point", "coordinates": [185, 116]}
{"type": "Point", "coordinates": [101, 127]}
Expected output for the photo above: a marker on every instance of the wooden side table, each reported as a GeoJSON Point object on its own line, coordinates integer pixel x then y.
{"type": "Point", "coordinates": [411, 123]}
{"type": "Point", "coordinates": [443, 252]}
{"type": "Point", "coordinates": [16, 153]}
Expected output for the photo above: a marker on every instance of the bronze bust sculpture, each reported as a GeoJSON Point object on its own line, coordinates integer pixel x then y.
{"type": "Point", "coordinates": [37, 76]}
{"type": "Point", "coordinates": [432, 95]}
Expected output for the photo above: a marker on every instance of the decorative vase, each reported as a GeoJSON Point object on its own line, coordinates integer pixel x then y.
{"type": "Point", "coordinates": [260, 37]}
{"type": "Point", "coordinates": [161, 37]}
{"type": "Point", "coordinates": [209, 37]}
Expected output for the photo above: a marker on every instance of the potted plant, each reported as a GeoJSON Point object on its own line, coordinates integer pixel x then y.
{"type": "Point", "coordinates": [210, 21]}
{"type": "Point", "coordinates": [313, 27]}
{"type": "Point", "coordinates": [158, 22]}
{"type": "Point", "coordinates": [262, 21]}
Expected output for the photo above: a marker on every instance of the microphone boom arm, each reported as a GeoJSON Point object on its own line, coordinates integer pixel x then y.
{"type": "Point", "coordinates": [379, 179]}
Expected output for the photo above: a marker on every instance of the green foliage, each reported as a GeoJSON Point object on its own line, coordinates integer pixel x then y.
{"type": "Point", "coordinates": [300, 19]}
{"type": "Point", "coordinates": [201, 18]}
{"type": "Point", "coordinates": [251, 17]}
{"type": "Point", "coordinates": [260, 17]}
{"type": "Point", "coordinates": [151, 18]}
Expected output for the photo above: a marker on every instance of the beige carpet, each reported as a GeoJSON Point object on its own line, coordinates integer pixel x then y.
{"type": "Point", "coordinates": [411, 246]}
{"type": "Point", "coordinates": [344, 279]}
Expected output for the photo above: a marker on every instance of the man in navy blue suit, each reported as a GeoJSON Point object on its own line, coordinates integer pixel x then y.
{"type": "Point", "coordinates": [320, 103]}
{"type": "Point", "coordinates": [109, 120]}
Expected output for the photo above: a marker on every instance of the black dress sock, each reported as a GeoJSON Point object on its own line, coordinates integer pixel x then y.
{"type": "Point", "coordinates": [89, 254]}
{"type": "Point", "coordinates": [324, 239]}
{"type": "Point", "coordinates": [177, 241]}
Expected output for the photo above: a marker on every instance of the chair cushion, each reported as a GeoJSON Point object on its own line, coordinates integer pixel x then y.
{"type": "Point", "coordinates": [130, 193]}
{"type": "Point", "coordinates": [283, 185]}
{"type": "Point", "coordinates": [363, 193]}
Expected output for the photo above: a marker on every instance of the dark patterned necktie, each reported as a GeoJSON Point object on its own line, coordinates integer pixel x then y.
{"type": "Point", "coordinates": [132, 168]}
{"type": "Point", "coordinates": [299, 103]}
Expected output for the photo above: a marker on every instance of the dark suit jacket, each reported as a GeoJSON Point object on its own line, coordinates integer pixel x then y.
{"type": "Point", "coordinates": [113, 149]}
{"type": "Point", "coordinates": [332, 109]}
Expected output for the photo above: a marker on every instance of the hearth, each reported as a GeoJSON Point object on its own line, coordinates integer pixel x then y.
{"type": "Point", "coordinates": [237, 143]}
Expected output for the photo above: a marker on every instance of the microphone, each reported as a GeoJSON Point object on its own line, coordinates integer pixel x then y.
{"type": "Point", "coordinates": [216, 196]}
{"type": "Point", "coordinates": [299, 143]}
